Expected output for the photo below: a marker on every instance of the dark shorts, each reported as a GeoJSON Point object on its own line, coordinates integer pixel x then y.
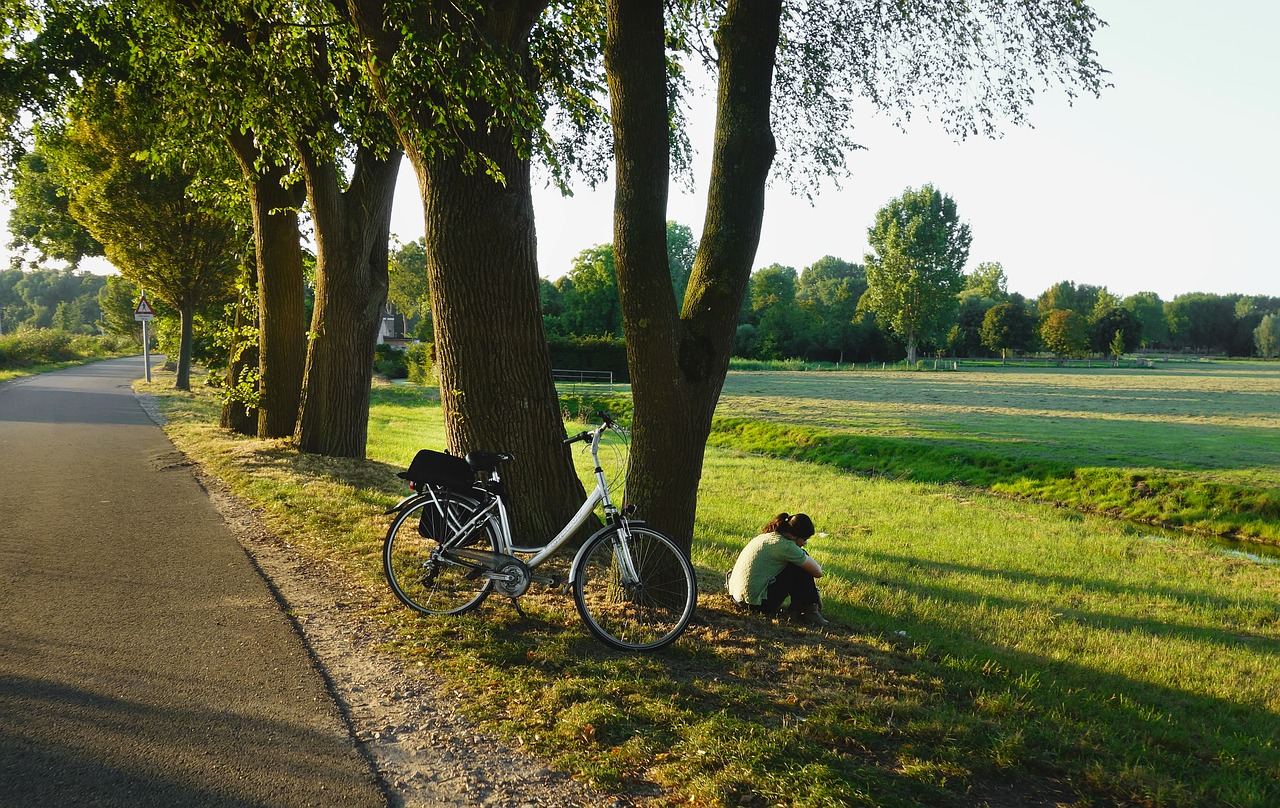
{"type": "Point", "coordinates": [794, 583]}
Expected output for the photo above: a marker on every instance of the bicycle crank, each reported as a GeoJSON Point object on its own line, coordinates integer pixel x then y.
{"type": "Point", "coordinates": [511, 576]}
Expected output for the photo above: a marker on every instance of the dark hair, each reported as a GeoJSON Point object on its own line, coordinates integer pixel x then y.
{"type": "Point", "coordinates": [799, 525]}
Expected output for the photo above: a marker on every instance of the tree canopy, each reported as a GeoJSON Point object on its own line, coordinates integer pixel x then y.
{"type": "Point", "coordinates": [916, 267]}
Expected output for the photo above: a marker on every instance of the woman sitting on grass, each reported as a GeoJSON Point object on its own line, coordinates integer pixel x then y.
{"type": "Point", "coordinates": [774, 567]}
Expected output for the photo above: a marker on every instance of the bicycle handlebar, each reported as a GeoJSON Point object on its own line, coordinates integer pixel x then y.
{"type": "Point", "coordinates": [607, 423]}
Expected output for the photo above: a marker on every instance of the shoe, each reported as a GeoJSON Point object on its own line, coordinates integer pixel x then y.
{"type": "Point", "coordinates": [808, 616]}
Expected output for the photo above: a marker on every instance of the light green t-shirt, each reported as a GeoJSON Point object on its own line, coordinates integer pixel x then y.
{"type": "Point", "coordinates": [759, 563]}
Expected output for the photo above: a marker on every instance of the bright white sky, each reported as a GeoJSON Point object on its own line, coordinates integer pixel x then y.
{"type": "Point", "coordinates": [1170, 182]}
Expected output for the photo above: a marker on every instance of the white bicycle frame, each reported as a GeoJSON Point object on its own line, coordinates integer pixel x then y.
{"type": "Point", "coordinates": [600, 494]}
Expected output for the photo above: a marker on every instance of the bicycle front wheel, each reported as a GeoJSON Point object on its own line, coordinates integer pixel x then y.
{"type": "Point", "coordinates": [635, 592]}
{"type": "Point", "coordinates": [416, 554]}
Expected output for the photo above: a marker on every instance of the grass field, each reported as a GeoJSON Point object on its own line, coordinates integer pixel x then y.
{"type": "Point", "coordinates": [1194, 445]}
{"type": "Point", "coordinates": [987, 649]}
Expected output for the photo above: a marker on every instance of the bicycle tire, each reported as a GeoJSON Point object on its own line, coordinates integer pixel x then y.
{"type": "Point", "coordinates": [415, 560]}
{"type": "Point", "coordinates": [643, 616]}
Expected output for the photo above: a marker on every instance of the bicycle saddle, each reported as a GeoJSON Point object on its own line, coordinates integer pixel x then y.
{"type": "Point", "coordinates": [487, 461]}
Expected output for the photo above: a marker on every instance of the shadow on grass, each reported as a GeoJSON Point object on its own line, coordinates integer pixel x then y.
{"type": "Point", "coordinates": [742, 710]}
{"type": "Point", "coordinates": [1260, 607]}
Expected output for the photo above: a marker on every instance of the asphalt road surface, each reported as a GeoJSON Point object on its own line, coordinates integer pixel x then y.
{"type": "Point", "coordinates": [143, 659]}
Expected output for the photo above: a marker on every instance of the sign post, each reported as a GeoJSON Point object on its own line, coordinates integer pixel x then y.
{"type": "Point", "coordinates": [144, 314]}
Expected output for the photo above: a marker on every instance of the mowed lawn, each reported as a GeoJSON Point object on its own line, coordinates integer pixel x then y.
{"type": "Point", "coordinates": [1192, 442]}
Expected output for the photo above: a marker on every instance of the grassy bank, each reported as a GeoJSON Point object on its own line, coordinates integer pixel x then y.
{"type": "Point", "coordinates": [28, 352]}
{"type": "Point", "coordinates": [1194, 446]}
{"type": "Point", "coordinates": [986, 649]}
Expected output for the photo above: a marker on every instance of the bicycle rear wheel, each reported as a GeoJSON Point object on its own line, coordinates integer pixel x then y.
{"type": "Point", "coordinates": [643, 614]}
{"type": "Point", "coordinates": [416, 559]}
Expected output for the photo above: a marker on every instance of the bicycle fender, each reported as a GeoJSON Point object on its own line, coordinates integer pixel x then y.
{"type": "Point", "coordinates": [573, 568]}
{"type": "Point", "coordinates": [402, 504]}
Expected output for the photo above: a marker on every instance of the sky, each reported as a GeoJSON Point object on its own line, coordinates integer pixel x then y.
{"type": "Point", "coordinates": [1169, 182]}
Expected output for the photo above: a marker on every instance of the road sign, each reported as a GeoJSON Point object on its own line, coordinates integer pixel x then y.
{"type": "Point", "coordinates": [143, 312]}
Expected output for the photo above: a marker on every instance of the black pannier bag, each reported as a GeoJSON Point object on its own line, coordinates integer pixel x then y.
{"type": "Point", "coordinates": [437, 468]}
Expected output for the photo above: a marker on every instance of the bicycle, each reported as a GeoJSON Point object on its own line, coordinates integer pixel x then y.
{"type": "Point", "coordinates": [450, 547]}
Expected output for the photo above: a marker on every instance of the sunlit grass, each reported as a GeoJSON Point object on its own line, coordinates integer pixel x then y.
{"type": "Point", "coordinates": [985, 649]}
{"type": "Point", "coordinates": [1195, 445]}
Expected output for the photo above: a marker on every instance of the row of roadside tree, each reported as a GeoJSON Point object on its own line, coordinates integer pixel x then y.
{"type": "Point", "coordinates": [196, 142]}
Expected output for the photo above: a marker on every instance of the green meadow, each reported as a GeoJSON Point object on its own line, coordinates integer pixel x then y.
{"type": "Point", "coordinates": [1194, 445]}
{"type": "Point", "coordinates": [1008, 630]}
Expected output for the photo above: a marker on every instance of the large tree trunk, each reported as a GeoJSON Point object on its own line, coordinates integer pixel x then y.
{"type": "Point", "coordinates": [495, 375]}
{"type": "Point", "coordinates": [352, 230]}
{"type": "Point", "coordinates": [282, 329]}
{"type": "Point", "coordinates": [186, 316]}
{"type": "Point", "coordinates": [678, 366]}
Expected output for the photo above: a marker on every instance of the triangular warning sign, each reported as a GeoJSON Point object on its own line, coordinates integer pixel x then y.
{"type": "Point", "coordinates": [143, 307]}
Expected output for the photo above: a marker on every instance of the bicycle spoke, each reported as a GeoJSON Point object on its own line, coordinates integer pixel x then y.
{"type": "Point", "coordinates": [642, 614]}
{"type": "Point", "coordinates": [417, 563]}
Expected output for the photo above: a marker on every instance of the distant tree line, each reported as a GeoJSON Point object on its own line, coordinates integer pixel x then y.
{"type": "Point", "coordinates": [50, 298]}
{"type": "Point", "coordinates": [912, 295]}
{"type": "Point", "coordinates": [817, 314]}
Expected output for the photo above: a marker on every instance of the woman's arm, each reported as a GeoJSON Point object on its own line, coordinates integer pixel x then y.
{"type": "Point", "coordinates": [812, 567]}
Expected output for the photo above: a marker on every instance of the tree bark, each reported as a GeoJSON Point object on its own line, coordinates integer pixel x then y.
{"type": "Point", "coordinates": [495, 374]}
{"type": "Point", "coordinates": [186, 316]}
{"type": "Point", "coordinates": [352, 229]}
{"type": "Point", "coordinates": [678, 365]}
{"type": "Point", "coordinates": [282, 327]}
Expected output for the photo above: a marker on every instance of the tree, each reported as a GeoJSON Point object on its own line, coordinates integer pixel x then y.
{"type": "Point", "coordinates": [1103, 302]}
{"type": "Point", "coordinates": [1201, 322]}
{"type": "Point", "coordinates": [482, 112]}
{"type": "Point", "coordinates": [586, 299]}
{"type": "Point", "coordinates": [1112, 327]}
{"type": "Point", "coordinates": [773, 286]}
{"type": "Point", "coordinates": [589, 295]}
{"type": "Point", "coordinates": [965, 337]}
{"type": "Point", "coordinates": [682, 249]}
{"type": "Point", "coordinates": [117, 301]}
{"type": "Point", "coordinates": [989, 281]}
{"type": "Point", "coordinates": [35, 297]}
{"type": "Point", "coordinates": [1148, 309]}
{"type": "Point", "coordinates": [1064, 333]}
{"type": "Point", "coordinates": [914, 272]}
{"type": "Point", "coordinates": [469, 134]}
{"type": "Point", "coordinates": [829, 289]}
{"type": "Point", "coordinates": [152, 230]}
{"type": "Point", "coordinates": [408, 290]}
{"type": "Point", "coordinates": [1061, 295]}
{"type": "Point", "coordinates": [1088, 298]}
{"type": "Point", "coordinates": [679, 355]}
{"type": "Point", "coordinates": [1267, 336]}
{"type": "Point", "coordinates": [290, 85]}
{"type": "Point", "coordinates": [39, 219]}
{"type": "Point", "coordinates": [1007, 327]}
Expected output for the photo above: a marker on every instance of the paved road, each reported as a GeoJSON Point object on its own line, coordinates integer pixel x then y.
{"type": "Point", "coordinates": [143, 660]}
